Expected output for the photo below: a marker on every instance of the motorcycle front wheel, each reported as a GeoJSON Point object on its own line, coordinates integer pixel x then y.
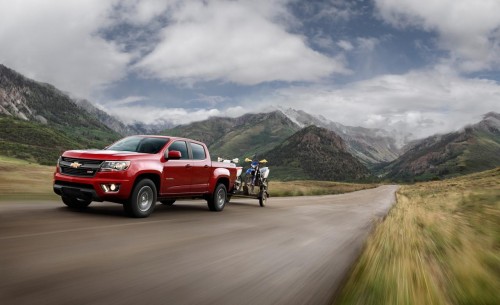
{"type": "Point", "coordinates": [263, 194]}
{"type": "Point", "coordinates": [263, 199]}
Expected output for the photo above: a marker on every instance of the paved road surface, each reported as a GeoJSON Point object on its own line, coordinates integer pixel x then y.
{"type": "Point", "coordinates": [294, 251]}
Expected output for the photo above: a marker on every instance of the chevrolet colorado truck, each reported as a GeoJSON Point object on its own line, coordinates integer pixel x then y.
{"type": "Point", "coordinates": [138, 171]}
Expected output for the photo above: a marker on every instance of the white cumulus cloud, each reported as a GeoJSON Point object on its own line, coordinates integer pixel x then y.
{"type": "Point", "coordinates": [58, 42]}
{"type": "Point", "coordinates": [468, 29]}
{"type": "Point", "coordinates": [176, 116]}
{"type": "Point", "coordinates": [244, 42]}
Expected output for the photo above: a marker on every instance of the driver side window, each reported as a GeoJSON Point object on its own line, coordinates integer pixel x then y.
{"type": "Point", "coordinates": [182, 147]}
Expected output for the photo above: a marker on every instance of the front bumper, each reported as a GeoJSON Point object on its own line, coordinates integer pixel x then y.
{"type": "Point", "coordinates": [86, 192]}
{"type": "Point", "coordinates": [89, 188]}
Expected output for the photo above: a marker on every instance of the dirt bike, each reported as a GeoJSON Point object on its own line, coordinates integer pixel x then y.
{"type": "Point", "coordinates": [255, 182]}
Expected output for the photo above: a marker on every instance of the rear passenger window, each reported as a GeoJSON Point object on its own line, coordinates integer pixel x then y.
{"type": "Point", "coordinates": [180, 146]}
{"type": "Point", "coordinates": [198, 151]}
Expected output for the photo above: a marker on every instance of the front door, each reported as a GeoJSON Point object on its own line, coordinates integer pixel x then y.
{"type": "Point", "coordinates": [177, 174]}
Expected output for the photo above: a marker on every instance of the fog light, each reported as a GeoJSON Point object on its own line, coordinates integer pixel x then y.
{"type": "Point", "coordinates": [110, 188]}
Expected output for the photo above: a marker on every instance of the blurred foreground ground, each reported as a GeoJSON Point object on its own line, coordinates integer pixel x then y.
{"type": "Point", "coordinates": [440, 244]}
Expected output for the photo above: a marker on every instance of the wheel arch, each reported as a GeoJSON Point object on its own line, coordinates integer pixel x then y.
{"type": "Point", "coordinates": [220, 175]}
{"type": "Point", "coordinates": [223, 180]}
{"type": "Point", "coordinates": [156, 178]}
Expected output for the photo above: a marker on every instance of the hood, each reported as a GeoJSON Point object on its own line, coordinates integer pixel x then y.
{"type": "Point", "coordinates": [105, 154]}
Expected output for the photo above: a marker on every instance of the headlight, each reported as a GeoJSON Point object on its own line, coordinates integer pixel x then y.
{"type": "Point", "coordinates": [114, 165]}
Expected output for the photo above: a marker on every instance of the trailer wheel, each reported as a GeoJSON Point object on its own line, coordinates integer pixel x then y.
{"type": "Point", "coordinates": [217, 201]}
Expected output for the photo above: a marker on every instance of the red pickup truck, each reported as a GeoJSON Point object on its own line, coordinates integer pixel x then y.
{"type": "Point", "coordinates": [138, 171]}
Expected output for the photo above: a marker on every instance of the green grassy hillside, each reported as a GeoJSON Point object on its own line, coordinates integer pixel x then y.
{"type": "Point", "coordinates": [44, 143]}
{"type": "Point", "coordinates": [239, 137]}
{"type": "Point", "coordinates": [256, 135]}
{"type": "Point", "coordinates": [317, 154]}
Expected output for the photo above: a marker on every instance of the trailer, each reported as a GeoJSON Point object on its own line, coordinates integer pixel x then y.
{"type": "Point", "coordinates": [254, 184]}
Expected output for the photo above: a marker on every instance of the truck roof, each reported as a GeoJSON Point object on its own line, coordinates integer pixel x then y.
{"type": "Point", "coordinates": [168, 137]}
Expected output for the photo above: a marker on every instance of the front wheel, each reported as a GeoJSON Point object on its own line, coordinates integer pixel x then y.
{"type": "Point", "coordinates": [142, 201]}
{"type": "Point", "coordinates": [263, 199]}
{"type": "Point", "coordinates": [75, 203]}
{"type": "Point", "coordinates": [217, 200]}
{"type": "Point", "coordinates": [263, 194]}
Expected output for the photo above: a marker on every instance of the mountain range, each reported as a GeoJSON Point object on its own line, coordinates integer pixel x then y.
{"type": "Point", "coordinates": [474, 148]}
{"type": "Point", "coordinates": [38, 122]}
{"type": "Point", "coordinates": [370, 146]}
{"type": "Point", "coordinates": [258, 132]}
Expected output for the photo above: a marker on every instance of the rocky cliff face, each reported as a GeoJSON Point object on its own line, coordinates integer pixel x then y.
{"type": "Point", "coordinates": [17, 95]}
{"type": "Point", "coordinates": [29, 100]}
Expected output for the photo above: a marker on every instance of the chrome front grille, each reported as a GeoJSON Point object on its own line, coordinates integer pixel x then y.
{"type": "Point", "coordinates": [79, 167]}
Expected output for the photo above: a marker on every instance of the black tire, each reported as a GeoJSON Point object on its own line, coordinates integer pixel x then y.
{"type": "Point", "coordinates": [263, 194]}
{"type": "Point", "coordinates": [142, 201]}
{"type": "Point", "coordinates": [263, 199]}
{"type": "Point", "coordinates": [169, 202]}
{"type": "Point", "coordinates": [75, 203]}
{"type": "Point", "coordinates": [217, 201]}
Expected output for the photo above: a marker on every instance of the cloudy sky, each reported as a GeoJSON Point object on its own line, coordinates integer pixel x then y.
{"type": "Point", "coordinates": [419, 66]}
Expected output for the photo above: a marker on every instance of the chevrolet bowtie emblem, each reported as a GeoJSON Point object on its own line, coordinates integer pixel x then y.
{"type": "Point", "coordinates": [75, 165]}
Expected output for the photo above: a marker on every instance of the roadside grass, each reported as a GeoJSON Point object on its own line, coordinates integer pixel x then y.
{"type": "Point", "coordinates": [23, 180]}
{"type": "Point", "coordinates": [313, 188]}
{"type": "Point", "coordinates": [440, 244]}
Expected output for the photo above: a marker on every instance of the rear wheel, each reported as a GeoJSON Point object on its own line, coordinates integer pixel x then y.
{"type": "Point", "coordinates": [169, 202]}
{"type": "Point", "coordinates": [75, 203]}
{"type": "Point", "coordinates": [217, 200]}
{"type": "Point", "coordinates": [142, 201]}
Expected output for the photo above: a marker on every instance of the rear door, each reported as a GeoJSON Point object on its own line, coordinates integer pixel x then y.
{"type": "Point", "coordinates": [177, 174]}
{"type": "Point", "coordinates": [201, 168]}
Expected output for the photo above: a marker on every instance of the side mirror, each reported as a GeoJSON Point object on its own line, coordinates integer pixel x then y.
{"type": "Point", "coordinates": [174, 155]}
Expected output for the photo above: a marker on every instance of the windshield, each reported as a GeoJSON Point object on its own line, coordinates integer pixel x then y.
{"type": "Point", "coordinates": [147, 145]}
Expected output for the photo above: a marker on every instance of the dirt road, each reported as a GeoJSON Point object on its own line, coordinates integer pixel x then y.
{"type": "Point", "coordinates": [294, 251]}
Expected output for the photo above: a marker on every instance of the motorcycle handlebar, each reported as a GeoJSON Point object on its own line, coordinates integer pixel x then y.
{"type": "Point", "coordinates": [263, 161]}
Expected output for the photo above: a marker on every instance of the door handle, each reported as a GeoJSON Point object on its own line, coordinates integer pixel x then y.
{"type": "Point", "coordinates": [188, 165]}
{"type": "Point", "coordinates": [206, 166]}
